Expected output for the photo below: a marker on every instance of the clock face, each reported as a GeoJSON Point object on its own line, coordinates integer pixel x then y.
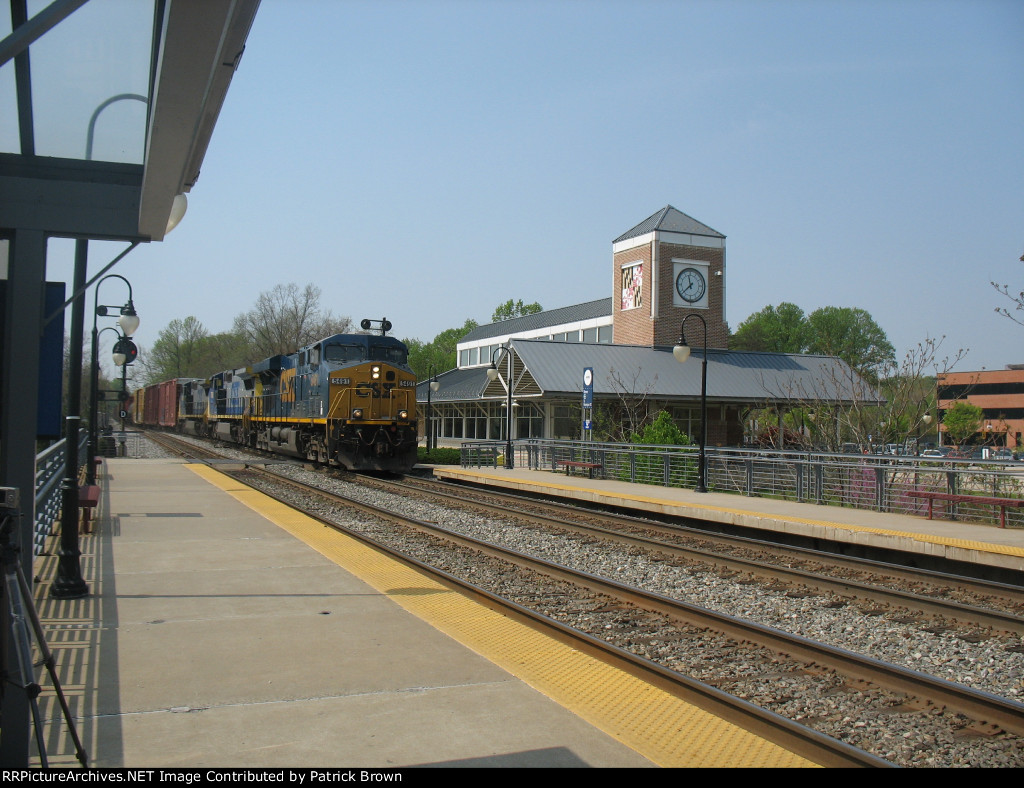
{"type": "Point", "coordinates": [690, 285]}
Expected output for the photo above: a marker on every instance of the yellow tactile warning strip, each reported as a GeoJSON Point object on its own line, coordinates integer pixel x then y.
{"type": "Point", "coordinates": [965, 544]}
{"type": "Point", "coordinates": [667, 731]}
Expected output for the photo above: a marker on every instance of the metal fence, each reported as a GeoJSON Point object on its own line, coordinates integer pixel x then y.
{"type": "Point", "coordinates": [882, 483]}
{"type": "Point", "coordinates": [49, 499]}
{"type": "Point", "coordinates": [50, 474]}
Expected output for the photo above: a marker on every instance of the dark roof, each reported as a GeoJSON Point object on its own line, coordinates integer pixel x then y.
{"type": "Point", "coordinates": [672, 220]}
{"type": "Point", "coordinates": [456, 384]}
{"type": "Point", "coordinates": [548, 319]}
{"type": "Point", "coordinates": [733, 375]}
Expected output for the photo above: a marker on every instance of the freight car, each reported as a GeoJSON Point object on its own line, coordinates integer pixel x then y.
{"type": "Point", "coordinates": [347, 400]}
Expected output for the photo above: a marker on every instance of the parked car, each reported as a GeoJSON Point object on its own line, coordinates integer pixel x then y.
{"type": "Point", "coordinates": [932, 453]}
{"type": "Point", "coordinates": [1002, 454]}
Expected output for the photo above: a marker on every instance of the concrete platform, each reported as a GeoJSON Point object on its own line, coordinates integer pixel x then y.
{"type": "Point", "coordinates": [972, 543]}
{"type": "Point", "coordinates": [213, 638]}
{"type": "Point", "coordinates": [224, 630]}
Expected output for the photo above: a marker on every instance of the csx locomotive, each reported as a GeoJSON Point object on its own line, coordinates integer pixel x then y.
{"type": "Point", "coordinates": [347, 400]}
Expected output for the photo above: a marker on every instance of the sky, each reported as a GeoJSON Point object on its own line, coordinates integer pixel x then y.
{"type": "Point", "coordinates": [427, 161]}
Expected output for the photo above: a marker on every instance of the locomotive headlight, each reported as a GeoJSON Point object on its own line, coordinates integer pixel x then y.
{"type": "Point", "coordinates": [403, 414]}
{"type": "Point", "coordinates": [375, 372]}
{"type": "Point", "coordinates": [357, 413]}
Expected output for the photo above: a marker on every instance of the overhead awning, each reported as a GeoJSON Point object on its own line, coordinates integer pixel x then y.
{"type": "Point", "coordinates": [107, 109]}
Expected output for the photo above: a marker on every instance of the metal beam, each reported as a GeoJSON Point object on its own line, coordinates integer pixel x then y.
{"type": "Point", "coordinates": [36, 27]}
{"type": "Point", "coordinates": [69, 197]}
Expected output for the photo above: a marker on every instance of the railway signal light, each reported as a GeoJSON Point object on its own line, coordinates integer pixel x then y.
{"type": "Point", "coordinates": [125, 351]}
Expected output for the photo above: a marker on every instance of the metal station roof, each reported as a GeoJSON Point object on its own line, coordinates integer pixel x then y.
{"type": "Point", "coordinates": [672, 220]}
{"type": "Point", "coordinates": [602, 307]}
{"type": "Point", "coordinates": [553, 369]}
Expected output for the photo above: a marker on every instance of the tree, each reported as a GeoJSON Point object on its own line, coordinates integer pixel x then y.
{"type": "Point", "coordinates": [438, 355]}
{"type": "Point", "coordinates": [847, 333]}
{"type": "Point", "coordinates": [286, 318]}
{"type": "Point", "coordinates": [1017, 300]}
{"type": "Point", "coordinates": [841, 407]}
{"type": "Point", "coordinates": [852, 335]}
{"type": "Point", "coordinates": [962, 421]}
{"type": "Point", "coordinates": [662, 432]}
{"type": "Point", "coordinates": [622, 420]}
{"type": "Point", "coordinates": [511, 309]}
{"type": "Point", "coordinates": [176, 353]}
{"type": "Point", "coordinates": [782, 329]}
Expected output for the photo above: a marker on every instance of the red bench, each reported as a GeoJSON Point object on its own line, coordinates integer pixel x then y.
{"type": "Point", "coordinates": [589, 466]}
{"type": "Point", "coordinates": [88, 499]}
{"type": "Point", "coordinates": [1002, 503]}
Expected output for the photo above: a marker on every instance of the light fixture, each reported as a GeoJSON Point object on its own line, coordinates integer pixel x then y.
{"type": "Point", "coordinates": [129, 320]}
{"type": "Point", "coordinates": [681, 351]}
{"type": "Point", "coordinates": [178, 208]}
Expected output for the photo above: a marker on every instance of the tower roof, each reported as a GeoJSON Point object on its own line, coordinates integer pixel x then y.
{"type": "Point", "coordinates": [669, 219]}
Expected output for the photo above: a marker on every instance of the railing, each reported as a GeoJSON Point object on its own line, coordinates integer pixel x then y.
{"type": "Point", "coordinates": [49, 475]}
{"type": "Point", "coordinates": [881, 483]}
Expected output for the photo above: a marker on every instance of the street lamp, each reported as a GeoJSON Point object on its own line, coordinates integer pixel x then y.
{"type": "Point", "coordinates": [129, 323]}
{"type": "Point", "coordinates": [492, 374]}
{"type": "Point", "coordinates": [431, 387]}
{"type": "Point", "coordinates": [68, 582]}
{"type": "Point", "coordinates": [926, 419]}
{"type": "Point", "coordinates": [682, 353]}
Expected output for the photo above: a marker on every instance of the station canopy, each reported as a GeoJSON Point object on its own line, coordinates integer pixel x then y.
{"type": "Point", "coordinates": [107, 108]}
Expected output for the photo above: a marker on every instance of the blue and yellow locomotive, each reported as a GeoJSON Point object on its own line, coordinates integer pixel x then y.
{"type": "Point", "coordinates": [347, 400]}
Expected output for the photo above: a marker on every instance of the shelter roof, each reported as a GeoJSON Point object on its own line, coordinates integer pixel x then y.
{"type": "Point", "coordinates": [167, 66]}
{"type": "Point", "coordinates": [590, 310]}
{"type": "Point", "coordinates": [556, 368]}
{"type": "Point", "coordinates": [672, 220]}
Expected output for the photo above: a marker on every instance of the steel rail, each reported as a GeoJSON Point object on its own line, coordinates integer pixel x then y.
{"type": "Point", "coordinates": [806, 742]}
{"type": "Point", "coordinates": [841, 587]}
{"type": "Point", "coordinates": [981, 706]}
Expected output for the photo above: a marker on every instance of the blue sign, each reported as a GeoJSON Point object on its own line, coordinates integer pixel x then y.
{"type": "Point", "coordinates": [588, 387]}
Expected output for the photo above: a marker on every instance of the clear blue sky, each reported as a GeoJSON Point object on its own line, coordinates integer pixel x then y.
{"type": "Point", "coordinates": [429, 160]}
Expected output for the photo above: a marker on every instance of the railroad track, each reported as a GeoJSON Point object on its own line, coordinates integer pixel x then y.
{"type": "Point", "coordinates": [814, 572]}
{"type": "Point", "coordinates": [643, 625]}
{"type": "Point", "coordinates": [887, 689]}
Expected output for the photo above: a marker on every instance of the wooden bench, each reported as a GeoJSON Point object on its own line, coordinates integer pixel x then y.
{"type": "Point", "coordinates": [88, 499]}
{"type": "Point", "coordinates": [589, 466]}
{"type": "Point", "coordinates": [1002, 503]}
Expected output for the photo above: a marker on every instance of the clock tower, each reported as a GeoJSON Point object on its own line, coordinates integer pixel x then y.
{"type": "Point", "coordinates": [667, 267]}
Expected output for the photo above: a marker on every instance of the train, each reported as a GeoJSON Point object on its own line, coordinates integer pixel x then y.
{"type": "Point", "coordinates": [348, 400]}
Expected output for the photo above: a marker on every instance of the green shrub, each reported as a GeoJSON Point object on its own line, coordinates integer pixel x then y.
{"type": "Point", "coordinates": [438, 456]}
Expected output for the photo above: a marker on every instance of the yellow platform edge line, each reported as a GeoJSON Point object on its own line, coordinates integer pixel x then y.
{"type": "Point", "coordinates": [969, 544]}
{"type": "Point", "coordinates": [664, 729]}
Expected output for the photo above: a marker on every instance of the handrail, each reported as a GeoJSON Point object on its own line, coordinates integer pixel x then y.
{"type": "Point", "coordinates": [885, 483]}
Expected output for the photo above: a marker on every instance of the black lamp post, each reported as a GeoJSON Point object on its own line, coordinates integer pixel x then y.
{"type": "Point", "coordinates": [129, 323]}
{"type": "Point", "coordinates": [926, 420]}
{"type": "Point", "coordinates": [682, 353]}
{"type": "Point", "coordinates": [492, 374]}
{"type": "Point", "coordinates": [432, 386]}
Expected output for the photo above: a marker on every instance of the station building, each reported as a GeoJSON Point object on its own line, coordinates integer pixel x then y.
{"type": "Point", "coordinates": [668, 276]}
{"type": "Point", "coordinates": [1000, 395]}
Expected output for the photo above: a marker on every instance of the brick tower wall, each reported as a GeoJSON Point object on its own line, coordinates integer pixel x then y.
{"type": "Point", "coordinates": [637, 327]}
